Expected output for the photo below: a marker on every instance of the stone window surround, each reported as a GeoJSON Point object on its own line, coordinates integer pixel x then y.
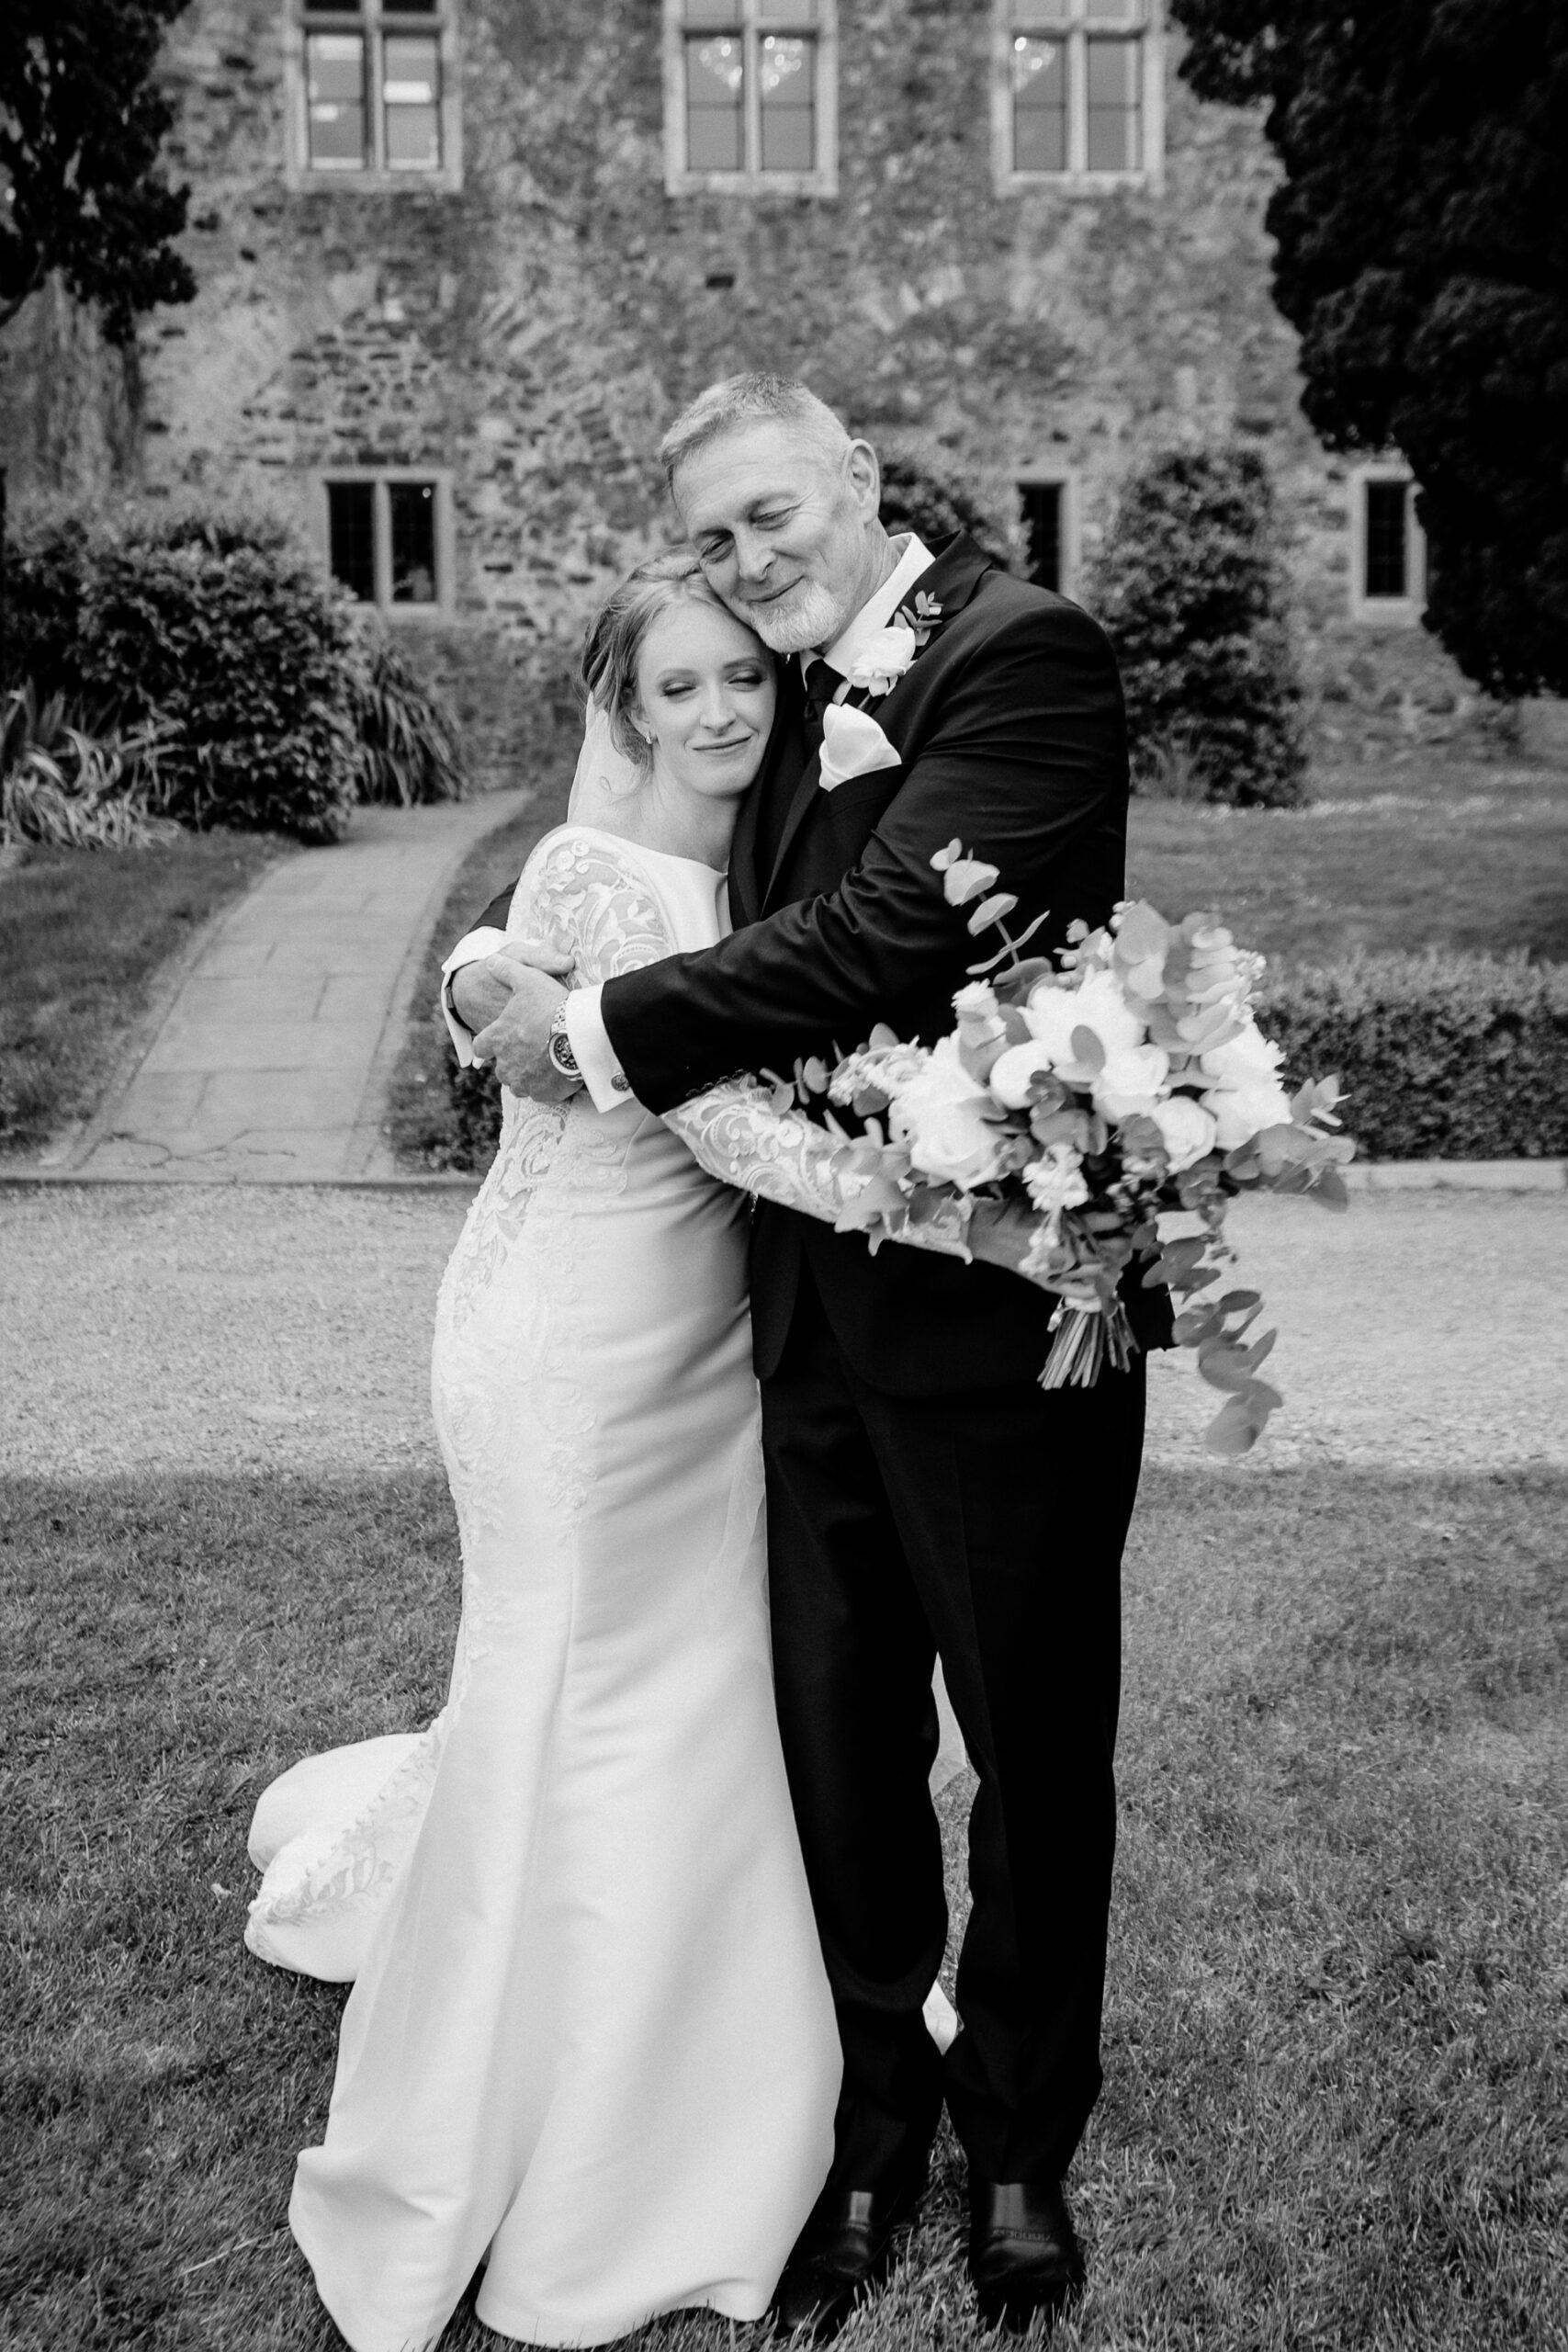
{"type": "Point", "coordinates": [679, 180]}
{"type": "Point", "coordinates": [298, 172]}
{"type": "Point", "coordinates": [1077, 180]}
{"type": "Point", "coordinates": [441, 610]}
{"type": "Point", "coordinates": [1057, 471]}
{"type": "Point", "coordinates": [1385, 611]}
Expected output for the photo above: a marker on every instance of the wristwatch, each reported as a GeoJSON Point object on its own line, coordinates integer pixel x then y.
{"type": "Point", "coordinates": [559, 1048]}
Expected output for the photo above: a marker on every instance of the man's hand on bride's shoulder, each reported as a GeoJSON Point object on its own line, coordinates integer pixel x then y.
{"type": "Point", "coordinates": [516, 1035]}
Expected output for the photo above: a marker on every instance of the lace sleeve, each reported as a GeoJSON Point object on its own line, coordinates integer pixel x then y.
{"type": "Point", "coordinates": [595, 905]}
{"type": "Point", "coordinates": [735, 1133]}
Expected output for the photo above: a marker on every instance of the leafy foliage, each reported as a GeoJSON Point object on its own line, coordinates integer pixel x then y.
{"type": "Point", "coordinates": [408, 737]}
{"type": "Point", "coordinates": [1420, 252]}
{"type": "Point", "coordinates": [1189, 586]}
{"type": "Point", "coordinates": [925, 492]}
{"type": "Point", "coordinates": [1441, 1056]}
{"type": "Point", "coordinates": [70, 787]}
{"type": "Point", "coordinates": [275, 710]}
{"type": "Point", "coordinates": [81, 126]}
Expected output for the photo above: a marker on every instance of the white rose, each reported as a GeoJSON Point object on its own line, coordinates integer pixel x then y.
{"type": "Point", "coordinates": [884, 658]}
{"type": "Point", "coordinates": [939, 1119]}
{"type": "Point", "coordinates": [1130, 1080]}
{"type": "Point", "coordinates": [1051, 1021]}
{"type": "Point", "coordinates": [1250, 1055]}
{"type": "Point", "coordinates": [1101, 1006]}
{"type": "Point", "coordinates": [1242, 1111]}
{"type": "Point", "coordinates": [1187, 1129]}
{"type": "Point", "coordinates": [1012, 1074]}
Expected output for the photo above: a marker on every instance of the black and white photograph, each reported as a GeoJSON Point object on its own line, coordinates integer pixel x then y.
{"type": "Point", "coordinates": [783, 1175]}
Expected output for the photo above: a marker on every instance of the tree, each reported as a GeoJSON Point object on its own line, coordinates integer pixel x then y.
{"type": "Point", "coordinates": [1189, 588]}
{"type": "Point", "coordinates": [1422, 229]}
{"type": "Point", "coordinates": [82, 189]}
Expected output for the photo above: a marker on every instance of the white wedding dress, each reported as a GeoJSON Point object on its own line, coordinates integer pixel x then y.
{"type": "Point", "coordinates": [589, 2042]}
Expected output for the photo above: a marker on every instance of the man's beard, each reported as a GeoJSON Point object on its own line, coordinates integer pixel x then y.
{"type": "Point", "coordinates": [811, 617]}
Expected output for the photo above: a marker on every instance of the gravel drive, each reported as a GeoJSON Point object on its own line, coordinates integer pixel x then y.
{"type": "Point", "coordinates": [235, 1328]}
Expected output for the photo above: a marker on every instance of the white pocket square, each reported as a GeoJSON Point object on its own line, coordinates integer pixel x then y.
{"type": "Point", "coordinates": [852, 744]}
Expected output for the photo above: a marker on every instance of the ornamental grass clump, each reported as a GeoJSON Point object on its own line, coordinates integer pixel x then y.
{"type": "Point", "coordinates": [1192, 590]}
{"type": "Point", "coordinates": [1441, 1055]}
{"type": "Point", "coordinates": [70, 785]}
{"type": "Point", "coordinates": [409, 750]}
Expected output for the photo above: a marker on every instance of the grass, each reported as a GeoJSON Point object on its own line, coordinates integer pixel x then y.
{"type": "Point", "coordinates": [1442, 852]}
{"type": "Point", "coordinates": [1337, 2022]}
{"type": "Point", "coordinates": [422, 1119]}
{"type": "Point", "coordinates": [84, 935]}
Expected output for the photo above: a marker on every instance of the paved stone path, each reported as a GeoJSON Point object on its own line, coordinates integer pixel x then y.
{"type": "Point", "coordinates": [272, 1061]}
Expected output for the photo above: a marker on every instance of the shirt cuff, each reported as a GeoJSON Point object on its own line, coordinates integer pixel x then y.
{"type": "Point", "coordinates": [471, 948]}
{"type": "Point", "coordinates": [606, 1082]}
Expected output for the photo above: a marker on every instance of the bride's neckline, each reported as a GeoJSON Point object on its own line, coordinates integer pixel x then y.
{"type": "Point", "coordinates": [645, 849]}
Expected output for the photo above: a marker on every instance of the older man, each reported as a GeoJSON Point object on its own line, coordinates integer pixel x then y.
{"type": "Point", "coordinates": [925, 1496]}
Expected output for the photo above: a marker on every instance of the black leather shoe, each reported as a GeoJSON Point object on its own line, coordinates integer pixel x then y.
{"type": "Point", "coordinates": [1024, 2255]}
{"type": "Point", "coordinates": [844, 2253]}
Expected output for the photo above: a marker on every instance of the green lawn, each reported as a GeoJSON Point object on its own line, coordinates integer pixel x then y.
{"type": "Point", "coordinates": [1461, 854]}
{"type": "Point", "coordinates": [84, 935]}
{"type": "Point", "coordinates": [1337, 2025]}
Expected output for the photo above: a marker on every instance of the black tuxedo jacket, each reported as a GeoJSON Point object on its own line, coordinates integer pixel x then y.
{"type": "Point", "coordinates": [1012, 740]}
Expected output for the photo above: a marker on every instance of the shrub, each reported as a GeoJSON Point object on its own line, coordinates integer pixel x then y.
{"type": "Point", "coordinates": [924, 490]}
{"type": "Point", "coordinates": [408, 737]}
{"type": "Point", "coordinates": [1442, 1055]}
{"type": "Point", "coordinates": [1190, 587]}
{"type": "Point", "coordinates": [214, 624]}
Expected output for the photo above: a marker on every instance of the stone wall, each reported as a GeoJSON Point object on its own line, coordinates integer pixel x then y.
{"type": "Point", "coordinates": [532, 333]}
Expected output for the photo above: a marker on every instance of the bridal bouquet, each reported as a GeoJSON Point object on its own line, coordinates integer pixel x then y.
{"type": "Point", "coordinates": [1080, 1102]}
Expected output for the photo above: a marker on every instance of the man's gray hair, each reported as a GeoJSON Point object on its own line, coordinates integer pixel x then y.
{"type": "Point", "coordinates": [740, 400]}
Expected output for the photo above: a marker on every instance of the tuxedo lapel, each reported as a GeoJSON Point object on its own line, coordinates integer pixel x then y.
{"type": "Point", "coordinates": [951, 582]}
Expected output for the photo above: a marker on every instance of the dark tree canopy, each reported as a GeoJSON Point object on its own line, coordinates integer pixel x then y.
{"type": "Point", "coordinates": [1422, 229]}
{"type": "Point", "coordinates": [81, 128]}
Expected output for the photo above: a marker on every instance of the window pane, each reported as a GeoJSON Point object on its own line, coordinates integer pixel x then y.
{"type": "Point", "coordinates": [351, 536]}
{"type": "Point", "coordinates": [1113, 12]}
{"type": "Point", "coordinates": [715, 75]}
{"type": "Point", "coordinates": [1028, 14]}
{"type": "Point", "coordinates": [334, 89]}
{"type": "Point", "coordinates": [331, 7]}
{"type": "Point", "coordinates": [1387, 511]}
{"type": "Point", "coordinates": [1043, 521]}
{"type": "Point", "coordinates": [411, 89]}
{"type": "Point", "coordinates": [787, 79]}
{"type": "Point", "coordinates": [1039, 106]}
{"type": "Point", "coordinates": [408, 7]}
{"type": "Point", "coordinates": [714, 11]}
{"type": "Point", "coordinates": [411, 506]}
{"type": "Point", "coordinates": [1115, 131]}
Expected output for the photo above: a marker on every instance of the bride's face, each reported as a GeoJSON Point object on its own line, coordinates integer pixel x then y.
{"type": "Point", "coordinates": [705, 692]}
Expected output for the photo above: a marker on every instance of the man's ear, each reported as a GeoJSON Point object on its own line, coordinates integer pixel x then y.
{"type": "Point", "coordinates": [864, 474]}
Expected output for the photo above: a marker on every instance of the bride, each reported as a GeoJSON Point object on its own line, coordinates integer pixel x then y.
{"type": "Point", "coordinates": [589, 2043]}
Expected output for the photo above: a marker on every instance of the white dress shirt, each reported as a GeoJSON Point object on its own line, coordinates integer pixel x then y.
{"type": "Point", "coordinates": [586, 1033]}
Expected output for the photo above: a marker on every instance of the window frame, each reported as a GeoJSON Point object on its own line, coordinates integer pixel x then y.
{"type": "Point", "coordinates": [1056, 473]}
{"type": "Point", "coordinates": [756, 16]}
{"type": "Point", "coordinates": [443, 603]}
{"type": "Point", "coordinates": [1386, 612]}
{"type": "Point", "coordinates": [374, 20]}
{"type": "Point", "coordinates": [1147, 24]}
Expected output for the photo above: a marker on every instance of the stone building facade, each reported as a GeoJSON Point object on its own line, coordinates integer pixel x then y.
{"type": "Point", "coordinates": [459, 260]}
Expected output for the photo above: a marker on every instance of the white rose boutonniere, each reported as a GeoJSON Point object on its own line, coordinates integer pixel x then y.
{"type": "Point", "coordinates": [886, 658]}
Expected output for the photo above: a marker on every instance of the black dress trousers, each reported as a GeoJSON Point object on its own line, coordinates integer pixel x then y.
{"type": "Point", "coordinates": [988, 1527]}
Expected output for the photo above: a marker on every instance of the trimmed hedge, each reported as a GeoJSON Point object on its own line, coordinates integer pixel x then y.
{"type": "Point", "coordinates": [1442, 1055]}
{"type": "Point", "coordinates": [1190, 587]}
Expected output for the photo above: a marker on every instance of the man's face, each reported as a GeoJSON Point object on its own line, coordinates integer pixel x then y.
{"type": "Point", "coordinates": [785, 533]}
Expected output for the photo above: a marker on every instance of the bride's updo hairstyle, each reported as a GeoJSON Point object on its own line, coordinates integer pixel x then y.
{"type": "Point", "coordinates": [616, 634]}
